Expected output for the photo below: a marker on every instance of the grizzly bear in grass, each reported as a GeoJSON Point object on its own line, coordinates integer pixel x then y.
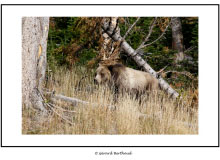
{"type": "Point", "coordinates": [126, 79]}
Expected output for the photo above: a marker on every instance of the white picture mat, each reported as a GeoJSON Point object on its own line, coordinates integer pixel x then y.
{"type": "Point", "coordinates": [11, 76]}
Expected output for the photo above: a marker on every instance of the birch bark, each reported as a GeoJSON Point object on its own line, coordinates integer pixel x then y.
{"type": "Point", "coordinates": [108, 47]}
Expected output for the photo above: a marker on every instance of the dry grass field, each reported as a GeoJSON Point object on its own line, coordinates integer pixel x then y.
{"type": "Point", "coordinates": [156, 114]}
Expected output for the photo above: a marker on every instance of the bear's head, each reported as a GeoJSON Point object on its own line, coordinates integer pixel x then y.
{"type": "Point", "coordinates": [103, 75]}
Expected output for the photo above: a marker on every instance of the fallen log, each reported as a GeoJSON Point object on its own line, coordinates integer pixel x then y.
{"type": "Point", "coordinates": [71, 100]}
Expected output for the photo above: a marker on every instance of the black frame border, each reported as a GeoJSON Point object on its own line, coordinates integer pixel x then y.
{"type": "Point", "coordinates": [110, 5]}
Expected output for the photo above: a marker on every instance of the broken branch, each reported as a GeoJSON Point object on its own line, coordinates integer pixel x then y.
{"type": "Point", "coordinates": [51, 107]}
{"type": "Point", "coordinates": [131, 27]}
{"type": "Point", "coordinates": [148, 36]}
{"type": "Point", "coordinates": [157, 38]}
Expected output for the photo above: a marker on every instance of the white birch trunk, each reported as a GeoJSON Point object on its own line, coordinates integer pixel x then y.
{"type": "Point", "coordinates": [108, 44]}
{"type": "Point", "coordinates": [34, 48]}
{"type": "Point", "coordinates": [138, 59]}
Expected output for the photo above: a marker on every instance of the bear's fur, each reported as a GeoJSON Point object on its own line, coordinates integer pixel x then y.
{"type": "Point", "coordinates": [126, 79]}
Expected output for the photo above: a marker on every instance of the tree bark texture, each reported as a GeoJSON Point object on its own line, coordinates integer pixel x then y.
{"type": "Point", "coordinates": [34, 48]}
{"type": "Point", "coordinates": [177, 38]}
{"type": "Point", "coordinates": [138, 59]}
{"type": "Point", "coordinates": [108, 46]}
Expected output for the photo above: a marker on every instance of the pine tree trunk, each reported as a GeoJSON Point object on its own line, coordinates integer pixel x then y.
{"type": "Point", "coordinates": [138, 59]}
{"type": "Point", "coordinates": [177, 37]}
{"type": "Point", "coordinates": [34, 48]}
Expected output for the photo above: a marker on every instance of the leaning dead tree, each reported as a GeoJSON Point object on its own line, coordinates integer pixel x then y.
{"type": "Point", "coordinates": [115, 35]}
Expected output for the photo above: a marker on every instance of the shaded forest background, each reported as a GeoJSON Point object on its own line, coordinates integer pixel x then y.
{"type": "Point", "coordinates": [76, 41]}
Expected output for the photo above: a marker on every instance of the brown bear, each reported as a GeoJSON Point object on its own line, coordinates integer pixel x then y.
{"type": "Point", "coordinates": [125, 79]}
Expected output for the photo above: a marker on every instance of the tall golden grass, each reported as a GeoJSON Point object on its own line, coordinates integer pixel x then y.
{"type": "Point", "coordinates": [155, 114]}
